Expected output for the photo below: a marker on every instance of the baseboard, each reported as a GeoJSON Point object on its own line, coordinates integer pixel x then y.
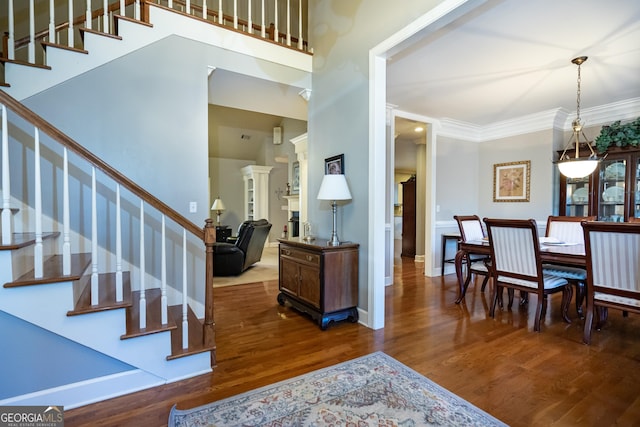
{"type": "Point", "coordinates": [90, 391]}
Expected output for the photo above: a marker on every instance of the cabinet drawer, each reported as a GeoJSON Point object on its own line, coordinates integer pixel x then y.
{"type": "Point", "coordinates": [300, 255]}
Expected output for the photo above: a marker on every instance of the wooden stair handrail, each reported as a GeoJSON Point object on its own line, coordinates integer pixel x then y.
{"type": "Point", "coordinates": [33, 118]}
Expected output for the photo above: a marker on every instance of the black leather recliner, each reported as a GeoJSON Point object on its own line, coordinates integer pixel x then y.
{"type": "Point", "coordinates": [231, 259]}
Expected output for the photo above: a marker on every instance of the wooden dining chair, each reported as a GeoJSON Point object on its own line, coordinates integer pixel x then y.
{"type": "Point", "coordinates": [516, 264]}
{"type": "Point", "coordinates": [568, 229]}
{"type": "Point", "coordinates": [613, 270]}
{"type": "Point", "coordinates": [471, 229]}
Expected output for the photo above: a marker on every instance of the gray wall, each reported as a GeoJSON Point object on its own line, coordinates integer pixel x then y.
{"type": "Point", "coordinates": [342, 33]}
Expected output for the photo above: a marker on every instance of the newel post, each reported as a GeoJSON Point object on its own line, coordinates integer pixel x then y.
{"type": "Point", "coordinates": [209, 325]}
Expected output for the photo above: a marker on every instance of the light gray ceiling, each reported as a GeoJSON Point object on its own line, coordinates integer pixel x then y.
{"type": "Point", "coordinates": [511, 58]}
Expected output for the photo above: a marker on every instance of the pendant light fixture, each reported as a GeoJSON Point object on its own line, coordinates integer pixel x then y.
{"type": "Point", "coordinates": [577, 167]}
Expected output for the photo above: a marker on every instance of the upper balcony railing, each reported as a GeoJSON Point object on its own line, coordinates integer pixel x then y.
{"type": "Point", "coordinates": [27, 24]}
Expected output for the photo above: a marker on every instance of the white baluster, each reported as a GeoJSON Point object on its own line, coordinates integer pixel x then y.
{"type": "Point", "coordinates": [95, 293]}
{"type": "Point", "coordinates": [87, 18]}
{"type": "Point", "coordinates": [143, 298]}
{"type": "Point", "coordinates": [52, 22]}
{"type": "Point", "coordinates": [220, 20]}
{"type": "Point", "coordinates": [288, 23]}
{"type": "Point", "coordinates": [123, 11]}
{"type": "Point", "coordinates": [170, 4]}
{"type": "Point", "coordinates": [7, 232]}
{"type": "Point", "coordinates": [37, 250]}
{"type": "Point", "coordinates": [188, 6]}
{"type": "Point", "coordinates": [275, 21]}
{"type": "Point", "coordinates": [12, 35]}
{"type": "Point", "coordinates": [205, 12]}
{"type": "Point", "coordinates": [32, 33]}
{"type": "Point", "coordinates": [66, 234]}
{"type": "Point", "coordinates": [163, 276]}
{"type": "Point", "coordinates": [235, 14]}
{"type": "Point", "coordinates": [119, 290]}
{"type": "Point", "coordinates": [70, 34]}
{"type": "Point", "coordinates": [185, 324]}
{"type": "Point", "coordinates": [250, 29]}
{"type": "Point", "coordinates": [105, 16]}
{"type": "Point", "coordinates": [300, 44]}
{"type": "Point", "coordinates": [264, 30]}
{"type": "Point", "coordinates": [136, 10]}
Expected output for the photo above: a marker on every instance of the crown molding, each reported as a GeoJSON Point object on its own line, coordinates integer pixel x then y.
{"type": "Point", "coordinates": [558, 118]}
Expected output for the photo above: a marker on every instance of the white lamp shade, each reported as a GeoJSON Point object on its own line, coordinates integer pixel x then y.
{"type": "Point", "coordinates": [577, 168]}
{"type": "Point", "coordinates": [334, 187]}
{"type": "Point", "coordinates": [217, 205]}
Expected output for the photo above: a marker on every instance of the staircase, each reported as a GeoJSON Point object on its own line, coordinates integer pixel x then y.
{"type": "Point", "coordinates": [85, 252]}
{"type": "Point", "coordinates": [85, 288]}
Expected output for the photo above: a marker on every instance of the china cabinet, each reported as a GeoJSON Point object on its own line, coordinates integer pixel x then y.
{"type": "Point", "coordinates": [611, 193]}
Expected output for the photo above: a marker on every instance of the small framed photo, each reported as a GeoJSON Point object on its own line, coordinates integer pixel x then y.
{"type": "Point", "coordinates": [295, 178]}
{"type": "Point", "coordinates": [334, 165]}
{"type": "Point", "coordinates": [511, 181]}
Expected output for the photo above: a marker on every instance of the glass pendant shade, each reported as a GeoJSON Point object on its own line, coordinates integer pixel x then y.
{"type": "Point", "coordinates": [577, 168]}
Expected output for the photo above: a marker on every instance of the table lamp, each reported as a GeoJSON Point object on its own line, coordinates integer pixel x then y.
{"type": "Point", "coordinates": [334, 188]}
{"type": "Point", "coordinates": [218, 206]}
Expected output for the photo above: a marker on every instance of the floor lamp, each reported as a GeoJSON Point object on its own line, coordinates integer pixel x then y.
{"type": "Point", "coordinates": [334, 188]}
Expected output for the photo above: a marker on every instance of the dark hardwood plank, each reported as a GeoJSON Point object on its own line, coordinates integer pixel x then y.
{"type": "Point", "coordinates": [52, 271]}
{"type": "Point", "coordinates": [522, 377]}
{"type": "Point", "coordinates": [153, 318]}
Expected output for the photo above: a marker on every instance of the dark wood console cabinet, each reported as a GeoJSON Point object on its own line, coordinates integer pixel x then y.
{"type": "Point", "coordinates": [319, 280]}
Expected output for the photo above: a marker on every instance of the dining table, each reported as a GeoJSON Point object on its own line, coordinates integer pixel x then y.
{"type": "Point", "coordinates": [568, 254]}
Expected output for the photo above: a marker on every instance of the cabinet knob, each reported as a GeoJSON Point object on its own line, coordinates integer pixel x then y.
{"type": "Point", "coordinates": [286, 252]}
{"type": "Point", "coordinates": [309, 258]}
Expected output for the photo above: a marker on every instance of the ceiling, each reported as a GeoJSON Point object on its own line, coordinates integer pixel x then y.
{"type": "Point", "coordinates": [510, 58]}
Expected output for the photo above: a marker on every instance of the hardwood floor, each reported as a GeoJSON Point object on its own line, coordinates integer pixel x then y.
{"type": "Point", "coordinates": [522, 377]}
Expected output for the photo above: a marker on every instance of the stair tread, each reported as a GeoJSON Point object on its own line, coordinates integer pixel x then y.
{"type": "Point", "coordinates": [154, 320]}
{"type": "Point", "coordinates": [21, 240]}
{"type": "Point", "coordinates": [196, 339]}
{"type": "Point", "coordinates": [52, 271]}
{"type": "Point", "coordinates": [106, 291]}
{"type": "Point", "coordinates": [46, 44]}
{"type": "Point", "coordinates": [4, 60]}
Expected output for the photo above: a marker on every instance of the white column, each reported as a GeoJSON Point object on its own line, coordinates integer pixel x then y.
{"type": "Point", "coordinates": [250, 29]}
{"type": "Point", "coordinates": [263, 32]}
{"type": "Point", "coordinates": [300, 44]}
{"type": "Point", "coordinates": [185, 323]}
{"type": "Point", "coordinates": [220, 19]}
{"type": "Point", "coordinates": [143, 298]}
{"type": "Point", "coordinates": [87, 17]}
{"type": "Point", "coordinates": [119, 290]}
{"type": "Point", "coordinates": [7, 230]}
{"type": "Point", "coordinates": [32, 33]}
{"type": "Point", "coordinates": [163, 276]}
{"type": "Point", "coordinates": [95, 292]}
{"type": "Point", "coordinates": [37, 250]}
{"type": "Point", "coordinates": [275, 20]}
{"type": "Point", "coordinates": [70, 35]}
{"type": "Point", "coordinates": [52, 22]}
{"type": "Point", "coordinates": [235, 14]}
{"type": "Point", "coordinates": [12, 35]}
{"type": "Point", "coordinates": [66, 234]}
{"type": "Point", "coordinates": [105, 17]}
{"type": "Point", "coordinates": [288, 22]}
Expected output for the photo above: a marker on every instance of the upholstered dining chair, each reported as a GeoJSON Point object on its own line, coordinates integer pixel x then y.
{"type": "Point", "coordinates": [613, 270]}
{"type": "Point", "coordinates": [516, 264]}
{"type": "Point", "coordinates": [568, 229]}
{"type": "Point", "coordinates": [471, 229]}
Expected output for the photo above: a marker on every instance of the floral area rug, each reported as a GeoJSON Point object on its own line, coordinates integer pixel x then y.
{"type": "Point", "coordinates": [374, 390]}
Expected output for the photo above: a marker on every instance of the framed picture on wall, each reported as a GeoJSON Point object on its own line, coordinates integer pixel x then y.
{"type": "Point", "coordinates": [295, 178]}
{"type": "Point", "coordinates": [511, 181]}
{"type": "Point", "coordinates": [334, 165]}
